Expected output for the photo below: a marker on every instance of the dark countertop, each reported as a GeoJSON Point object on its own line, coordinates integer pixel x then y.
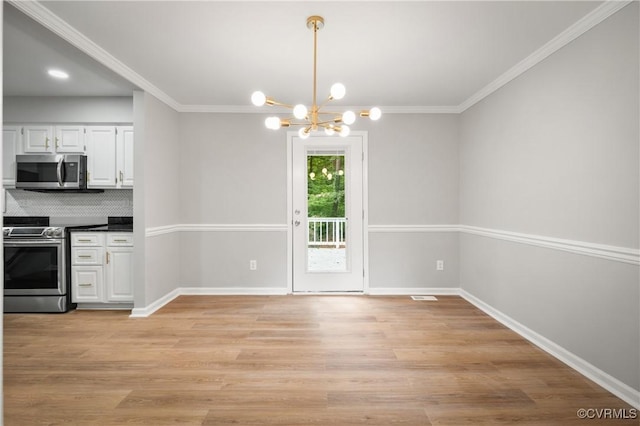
{"type": "Point", "coordinates": [102, 228]}
{"type": "Point", "coordinates": [115, 224]}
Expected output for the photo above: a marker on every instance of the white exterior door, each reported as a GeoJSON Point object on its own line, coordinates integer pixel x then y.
{"type": "Point", "coordinates": [327, 214]}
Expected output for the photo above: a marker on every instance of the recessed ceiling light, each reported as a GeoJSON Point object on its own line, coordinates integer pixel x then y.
{"type": "Point", "coordinates": [58, 74]}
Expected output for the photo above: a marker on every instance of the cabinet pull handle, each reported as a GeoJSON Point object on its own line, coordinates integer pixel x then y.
{"type": "Point", "coordinates": [84, 240]}
{"type": "Point", "coordinates": [46, 143]}
{"type": "Point", "coordinates": [117, 240]}
{"type": "Point", "coordinates": [85, 256]}
{"type": "Point", "coordinates": [88, 176]}
{"type": "Point", "coordinates": [85, 285]}
{"type": "Point", "coordinates": [57, 146]}
{"type": "Point", "coordinates": [121, 177]}
{"type": "Point", "coordinates": [107, 258]}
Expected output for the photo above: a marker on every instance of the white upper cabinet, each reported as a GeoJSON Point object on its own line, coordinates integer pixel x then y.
{"type": "Point", "coordinates": [101, 156]}
{"type": "Point", "coordinates": [53, 139]}
{"type": "Point", "coordinates": [109, 150]}
{"type": "Point", "coordinates": [124, 150]}
{"type": "Point", "coordinates": [70, 139]}
{"type": "Point", "coordinates": [10, 144]}
{"type": "Point", "coordinates": [37, 139]}
{"type": "Point", "coordinates": [110, 156]}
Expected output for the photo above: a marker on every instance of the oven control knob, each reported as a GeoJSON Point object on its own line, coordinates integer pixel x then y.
{"type": "Point", "coordinates": [6, 232]}
{"type": "Point", "coordinates": [53, 232]}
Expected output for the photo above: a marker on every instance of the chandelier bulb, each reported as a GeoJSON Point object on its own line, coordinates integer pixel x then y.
{"type": "Point", "coordinates": [348, 117]}
{"type": "Point", "coordinates": [344, 131]}
{"type": "Point", "coordinates": [329, 131]}
{"type": "Point", "coordinates": [258, 98]}
{"type": "Point", "coordinates": [300, 111]}
{"type": "Point", "coordinates": [304, 133]}
{"type": "Point", "coordinates": [338, 91]}
{"type": "Point", "coordinates": [375, 113]}
{"type": "Point", "coordinates": [272, 123]}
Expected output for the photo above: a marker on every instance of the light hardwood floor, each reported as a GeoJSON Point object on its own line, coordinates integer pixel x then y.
{"type": "Point", "coordinates": [288, 360]}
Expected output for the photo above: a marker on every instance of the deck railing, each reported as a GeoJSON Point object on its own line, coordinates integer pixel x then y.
{"type": "Point", "coordinates": [327, 232]}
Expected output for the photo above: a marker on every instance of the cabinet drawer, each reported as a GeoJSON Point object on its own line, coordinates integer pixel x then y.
{"type": "Point", "coordinates": [87, 284]}
{"type": "Point", "coordinates": [87, 239]}
{"type": "Point", "coordinates": [120, 239]}
{"type": "Point", "coordinates": [87, 255]}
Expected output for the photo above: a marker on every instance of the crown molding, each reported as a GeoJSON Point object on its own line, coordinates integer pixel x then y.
{"type": "Point", "coordinates": [57, 25]}
{"type": "Point", "coordinates": [250, 109]}
{"type": "Point", "coordinates": [51, 21]}
{"type": "Point", "coordinates": [596, 16]}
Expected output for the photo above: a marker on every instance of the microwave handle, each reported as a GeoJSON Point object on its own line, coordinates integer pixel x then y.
{"type": "Point", "coordinates": [59, 171]}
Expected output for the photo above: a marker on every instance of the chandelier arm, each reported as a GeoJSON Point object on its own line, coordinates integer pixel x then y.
{"type": "Point", "coordinates": [325, 102]}
{"type": "Point", "coordinates": [276, 103]}
{"type": "Point", "coordinates": [329, 112]}
{"type": "Point", "coordinates": [328, 122]}
{"type": "Point", "coordinates": [315, 48]}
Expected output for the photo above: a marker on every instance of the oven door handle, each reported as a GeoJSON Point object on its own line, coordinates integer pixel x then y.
{"type": "Point", "coordinates": [33, 242]}
{"type": "Point", "coordinates": [59, 171]}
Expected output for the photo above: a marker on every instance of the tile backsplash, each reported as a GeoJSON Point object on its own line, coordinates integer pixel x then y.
{"type": "Point", "coordinates": [111, 202]}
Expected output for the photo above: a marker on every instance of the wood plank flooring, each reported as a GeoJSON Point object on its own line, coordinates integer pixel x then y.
{"type": "Point", "coordinates": [288, 360]}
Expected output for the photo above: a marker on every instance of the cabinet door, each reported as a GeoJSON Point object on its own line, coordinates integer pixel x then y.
{"type": "Point", "coordinates": [87, 284]}
{"type": "Point", "coordinates": [10, 142]}
{"type": "Point", "coordinates": [37, 139]}
{"type": "Point", "coordinates": [119, 274]}
{"type": "Point", "coordinates": [101, 156]}
{"type": "Point", "coordinates": [125, 156]}
{"type": "Point", "coordinates": [70, 139]}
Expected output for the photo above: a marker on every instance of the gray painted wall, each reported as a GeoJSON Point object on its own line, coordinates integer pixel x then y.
{"type": "Point", "coordinates": [413, 169]}
{"type": "Point", "coordinates": [60, 109]}
{"type": "Point", "coordinates": [155, 199]}
{"type": "Point", "coordinates": [234, 171]}
{"type": "Point", "coordinates": [413, 181]}
{"type": "Point", "coordinates": [555, 153]}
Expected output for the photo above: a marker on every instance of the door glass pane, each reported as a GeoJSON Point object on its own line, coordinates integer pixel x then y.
{"type": "Point", "coordinates": [327, 224]}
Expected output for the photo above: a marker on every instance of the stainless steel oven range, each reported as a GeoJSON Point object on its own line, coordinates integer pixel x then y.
{"type": "Point", "coordinates": [35, 270]}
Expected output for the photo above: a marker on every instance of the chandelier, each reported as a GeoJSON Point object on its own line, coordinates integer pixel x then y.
{"type": "Point", "coordinates": [315, 118]}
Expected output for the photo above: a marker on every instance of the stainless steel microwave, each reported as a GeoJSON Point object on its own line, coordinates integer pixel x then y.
{"type": "Point", "coordinates": [51, 171]}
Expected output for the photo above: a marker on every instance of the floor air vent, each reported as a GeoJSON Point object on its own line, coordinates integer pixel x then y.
{"type": "Point", "coordinates": [424, 298]}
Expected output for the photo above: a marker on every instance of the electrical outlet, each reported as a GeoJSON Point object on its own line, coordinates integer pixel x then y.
{"type": "Point", "coordinates": [440, 265]}
{"type": "Point", "coordinates": [253, 265]}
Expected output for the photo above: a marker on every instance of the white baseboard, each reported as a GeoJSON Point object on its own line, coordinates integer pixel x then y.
{"type": "Point", "coordinates": [610, 383]}
{"type": "Point", "coordinates": [413, 291]}
{"type": "Point", "coordinates": [154, 306]}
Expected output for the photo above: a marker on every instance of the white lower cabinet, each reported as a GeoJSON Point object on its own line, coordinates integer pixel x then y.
{"type": "Point", "coordinates": [87, 284]}
{"type": "Point", "coordinates": [119, 274]}
{"type": "Point", "coordinates": [102, 268]}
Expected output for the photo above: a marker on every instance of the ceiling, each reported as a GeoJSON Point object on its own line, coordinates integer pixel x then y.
{"type": "Point", "coordinates": [211, 55]}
